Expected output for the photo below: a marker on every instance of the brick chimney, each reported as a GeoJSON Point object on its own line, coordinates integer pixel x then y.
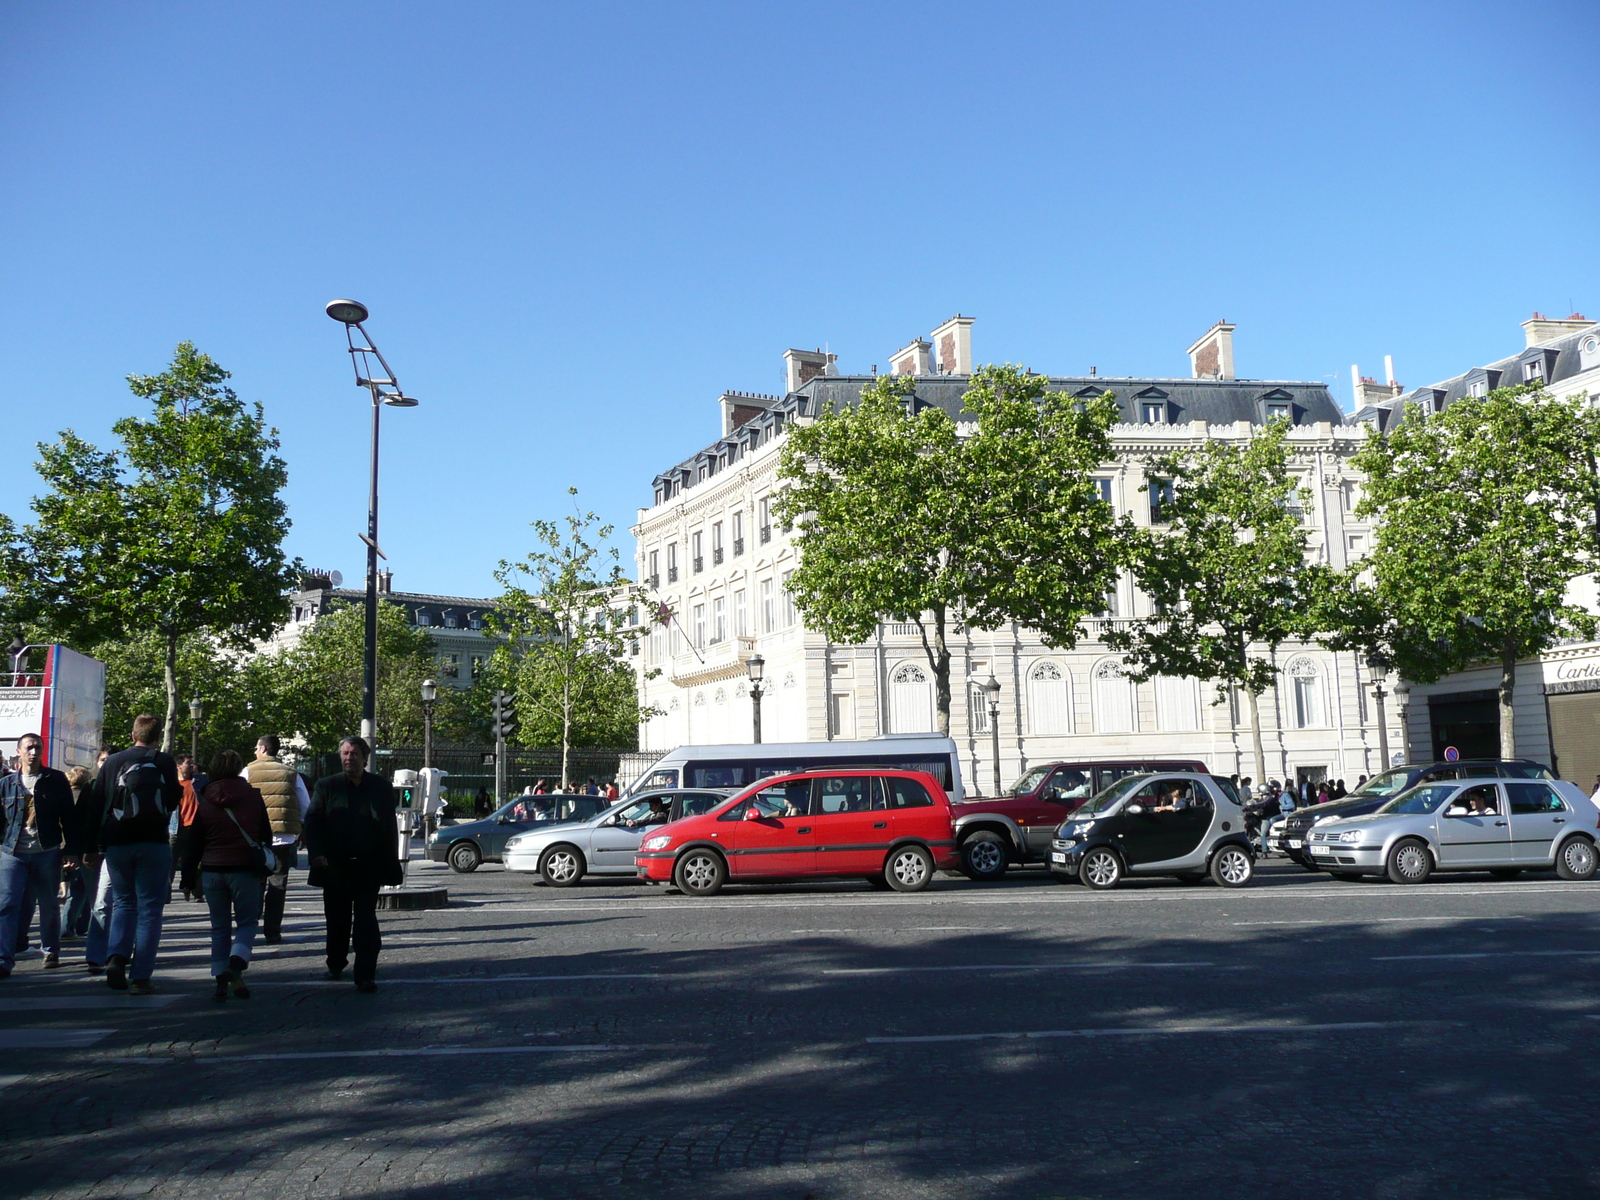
{"type": "Point", "coordinates": [952, 346]}
{"type": "Point", "coordinates": [802, 366]}
{"type": "Point", "coordinates": [1540, 328]}
{"type": "Point", "coordinates": [1212, 356]}
{"type": "Point", "coordinates": [915, 359]}
{"type": "Point", "coordinates": [740, 408]}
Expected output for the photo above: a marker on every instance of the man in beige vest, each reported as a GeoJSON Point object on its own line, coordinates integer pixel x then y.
{"type": "Point", "coordinates": [287, 802]}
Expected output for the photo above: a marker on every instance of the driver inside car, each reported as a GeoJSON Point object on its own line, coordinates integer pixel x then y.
{"type": "Point", "coordinates": [1176, 800]}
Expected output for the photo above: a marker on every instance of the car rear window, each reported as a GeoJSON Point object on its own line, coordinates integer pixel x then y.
{"type": "Point", "coordinates": [1534, 798]}
{"type": "Point", "coordinates": [906, 793]}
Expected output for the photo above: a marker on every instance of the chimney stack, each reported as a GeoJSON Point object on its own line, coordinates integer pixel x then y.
{"type": "Point", "coordinates": [952, 346]}
{"type": "Point", "coordinates": [385, 582]}
{"type": "Point", "coordinates": [802, 366]}
{"type": "Point", "coordinates": [915, 359]}
{"type": "Point", "coordinates": [1212, 356]}
{"type": "Point", "coordinates": [1540, 328]}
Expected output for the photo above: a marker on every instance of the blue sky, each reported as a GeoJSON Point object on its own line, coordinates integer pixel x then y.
{"type": "Point", "coordinates": [576, 225]}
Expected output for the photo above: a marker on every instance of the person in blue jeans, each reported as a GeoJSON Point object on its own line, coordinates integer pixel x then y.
{"type": "Point", "coordinates": [224, 858]}
{"type": "Point", "coordinates": [134, 793]}
{"type": "Point", "coordinates": [35, 826]}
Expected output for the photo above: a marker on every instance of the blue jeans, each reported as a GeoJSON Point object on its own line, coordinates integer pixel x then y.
{"type": "Point", "coordinates": [41, 869]}
{"type": "Point", "coordinates": [140, 881]}
{"type": "Point", "coordinates": [234, 900]}
{"type": "Point", "coordinates": [94, 942]}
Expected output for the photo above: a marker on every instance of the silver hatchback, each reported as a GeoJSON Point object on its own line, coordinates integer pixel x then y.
{"type": "Point", "coordinates": [561, 855]}
{"type": "Point", "coordinates": [1503, 826]}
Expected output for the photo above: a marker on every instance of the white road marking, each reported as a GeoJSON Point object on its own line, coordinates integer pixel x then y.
{"type": "Point", "coordinates": [451, 979]}
{"type": "Point", "coordinates": [1378, 920]}
{"type": "Point", "coordinates": [391, 1052]}
{"type": "Point", "coordinates": [51, 1039]}
{"type": "Point", "coordinates": [1151, 1031]}
{"type": "Point", "coordinates": [10, 1080]}
{"type": "Point", "coordinates": [1076, 966]}
{"type": "Point", "coordinates": [1490, 954]}
{"type": "Point", "coordinates": [48, 1004]}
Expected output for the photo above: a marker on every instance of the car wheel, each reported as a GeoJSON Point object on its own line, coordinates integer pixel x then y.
{"type": "Point", "coordinates": [1232, 867]}
{"type": "Point", "coordinates": [983, 857]}
{"type": "Point", "coordinates": [909, 869]}
{"type": "Point", "coordinates": [464, 858]}
{"type": "Point", "coordinates": [1577, 860]}
{"type": "Point", "coordinates": [1410, 862]}
{"type": "Point", "coordinates": [1101, 869]}
{"type": "Point", "coordinates": [700, 873]}
{"type": "Point", "coordinates": [561, 866]}
{"type": "Point", "coordinates": [1506, 872]}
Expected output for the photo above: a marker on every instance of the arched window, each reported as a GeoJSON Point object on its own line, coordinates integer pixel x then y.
{"type": "Point", "coordinates": [910, 700]}
{"type": "Point", "coordinates": [1111, 696]}
{"type": "Point", "coordinates": [1049, 700]}
{"type": "Point", "coordinates": [1306, 693]}
{"type": "Point", "coordinates": [1177, 705]}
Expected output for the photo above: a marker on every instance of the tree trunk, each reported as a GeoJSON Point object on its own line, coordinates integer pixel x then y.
{"type": "Point", "coordinates": [939, 659]}
{"type": "Point", "coordinates": [566, 728]}
{"type": "Point", "coordinates": [1508, 687]}
{"type": "Point", "coordinates": [1255, 737]}
{"type": "Point", "coordinates": [169, 673]}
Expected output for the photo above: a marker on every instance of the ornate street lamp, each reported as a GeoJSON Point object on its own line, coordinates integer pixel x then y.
{"type": "Point", "coordinates": [1379, 666]}
{"type": "Point", "coordinates": [756, 666]}
{"type": "Point", "coordinates": [430, 697]}
{"type": "Point", "coordinates": [991, 690]}
{"type": "Point", "coordinates": [1402, 693]}
{"type": "Point", "coordinates": [197, 712]}
{"type": "Point", "coordinates": [385, 389]}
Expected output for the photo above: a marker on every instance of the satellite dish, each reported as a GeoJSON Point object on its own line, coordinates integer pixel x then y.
{"type": "Point", "coordinates": [336, 578]}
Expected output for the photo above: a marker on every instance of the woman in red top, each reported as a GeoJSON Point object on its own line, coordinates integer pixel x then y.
{"type": "Point", "coordinates": [224, 850]}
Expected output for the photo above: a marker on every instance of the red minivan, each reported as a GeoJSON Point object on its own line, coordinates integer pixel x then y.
{"type": "Point", "coordinates": [891, 828]}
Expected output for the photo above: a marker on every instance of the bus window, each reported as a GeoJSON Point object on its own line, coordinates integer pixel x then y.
{"type": "Point", "coordinates": [667, 777]}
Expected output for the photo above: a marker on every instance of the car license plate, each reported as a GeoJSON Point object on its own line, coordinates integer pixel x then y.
{"type": "Point", "coordinates": [1295, 843]}
{"type": "Point", "coordinates": [1322, 849]}
{"type": "Point", "coordinates": [1057, 856]}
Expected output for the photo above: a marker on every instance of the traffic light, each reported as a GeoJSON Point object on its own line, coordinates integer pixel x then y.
{"type": "Point", "coordinates": [504, 720]}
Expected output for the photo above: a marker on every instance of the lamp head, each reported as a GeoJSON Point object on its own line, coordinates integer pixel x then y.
{"type": "Point", "coordinates": [430, 691]}
{"type": "Point", "coordinates": [197, 708]}
{"type": "Point", "coordinates": [347, 312]}
{"type": "Point", "coordinates": [400, 401]}
{"type": "Point", "coordinates": [991, 685]}
{"type": "Point", "coordinates": [757, 667]}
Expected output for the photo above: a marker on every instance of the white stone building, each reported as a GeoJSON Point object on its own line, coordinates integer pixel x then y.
{"type": "Point", "coordinates": [710, 554]}
{"type": "Point", "coordinates": [1557, 698]}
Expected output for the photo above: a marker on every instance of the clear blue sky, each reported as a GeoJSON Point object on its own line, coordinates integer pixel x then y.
{"type": "Point", "coordinates": [575, 226]}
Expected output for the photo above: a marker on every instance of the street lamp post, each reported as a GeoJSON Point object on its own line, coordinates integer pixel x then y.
{"type": "Point", "coordinates": [430, 697]}
{"type": "Point", "coordinates": [1402, 694]}
{"type": "Point", "coordinates": [756, 666]}
{"type": "Point", "coordinates": [991, 689]}
{"type": "Point", "coordinates": [385, 389]}
{"type": "Point", "coordinates": [197, 711]}
{"type": "Point", "coordinates": [1380, 668]}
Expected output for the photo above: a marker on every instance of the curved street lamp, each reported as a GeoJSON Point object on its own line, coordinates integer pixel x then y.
{"type": "Point", "coordinates": [991, 689]}
{"type": "Point", "coordinates": [385, 390]}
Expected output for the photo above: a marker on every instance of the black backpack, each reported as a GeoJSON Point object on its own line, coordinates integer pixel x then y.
{"type": "Point", "coordinates": [138, 792]}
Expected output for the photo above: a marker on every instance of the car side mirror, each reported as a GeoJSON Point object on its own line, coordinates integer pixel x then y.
{"type": "Point", "coordinates": [1455, 811]}
{"type": "Point", "coordinates": [752, 814]}
{"type": "Point", "coordinates": [1136, 809]}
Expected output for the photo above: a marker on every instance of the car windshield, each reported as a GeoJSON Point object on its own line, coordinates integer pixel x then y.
{"type": "Point", "coordinates": [1028, 782]}
{"type": "Point", "coordinates": [1419, 800]}
{"type": "Point", "coordinates": [1389, 783]}
{"type": "Point", "coordinates": [1100, 803]}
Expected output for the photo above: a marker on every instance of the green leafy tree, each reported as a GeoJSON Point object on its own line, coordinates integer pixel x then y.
{"type": "Point", "coordinates": [1224, 566]}
{"type": "Point", "coordinates": [175, 533]}
{"type": "Point", "coordinates": [564, 618]}
{"type": "Point", "coordinates": [1485, 513]}
{"type": "Point", "coordinates": [901, 516]}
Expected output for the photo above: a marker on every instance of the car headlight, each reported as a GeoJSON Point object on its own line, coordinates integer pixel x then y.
{"type": "Point", "coordinates": [657, 843]}
{"type": "Point", "coordinates": [1350, 835]}
{"type": "Point", "coordinates": [510, 842]}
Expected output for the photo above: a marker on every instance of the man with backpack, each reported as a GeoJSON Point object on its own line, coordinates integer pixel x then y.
{"type": "Point", "coordinates": [134, 794]}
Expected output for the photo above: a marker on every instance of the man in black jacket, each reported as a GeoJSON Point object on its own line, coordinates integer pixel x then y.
{"type": "Point", "coordinates": [351, 840]}
{"type": "Point", "coordinates": [35, 828]}
{"type": "Point", "coordinates": [134, 795]}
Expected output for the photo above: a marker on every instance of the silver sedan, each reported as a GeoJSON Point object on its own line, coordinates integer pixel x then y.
{"type": "Point", "coordinates": [1503, 826]}
{"type": "Point", "coordinates": [561, 855]}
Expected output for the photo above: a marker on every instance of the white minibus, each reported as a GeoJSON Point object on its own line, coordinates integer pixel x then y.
{"type": "Point", "coordinates": [737, 766]}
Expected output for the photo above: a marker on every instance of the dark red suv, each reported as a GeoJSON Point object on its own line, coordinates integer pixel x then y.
{"type": "Point", "coordinates": [891, 828]}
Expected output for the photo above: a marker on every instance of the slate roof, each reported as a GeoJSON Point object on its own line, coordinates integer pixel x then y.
{"type": "Point", "coordinates": [1217, 401]}
{"type": "Point", "coordinates": [1559, 356]}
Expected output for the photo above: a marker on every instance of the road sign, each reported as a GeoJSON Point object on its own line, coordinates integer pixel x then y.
{"type": "Point", "coordinates": [1451, 754]}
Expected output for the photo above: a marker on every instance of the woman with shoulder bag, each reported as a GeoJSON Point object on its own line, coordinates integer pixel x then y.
{"type": "Point", "coordinates": [228, 855]}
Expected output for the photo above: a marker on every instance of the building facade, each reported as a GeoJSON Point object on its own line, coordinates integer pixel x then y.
{"type": "Point", "coordinates": [715, 565]}
{"type": "Point", "coordinates": [1557, 700]}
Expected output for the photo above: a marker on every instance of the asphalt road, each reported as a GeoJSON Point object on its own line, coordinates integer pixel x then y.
{"type": "Point", "coordinates": [1298, 1037]}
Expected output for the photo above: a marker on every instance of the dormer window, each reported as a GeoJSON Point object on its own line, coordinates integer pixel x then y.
{"type": "Point", "coordinates": [1154, 412]}
{"type": "Point", "coordinates": [1533, 369]}
{"type": "Point", "coordinates": [1478, 388]}
{"type": "Point", "coordinates": [424, 617]}
{"type": "Point", "coordinates": [1277, 411]}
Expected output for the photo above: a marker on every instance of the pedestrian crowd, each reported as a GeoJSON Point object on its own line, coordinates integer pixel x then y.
{"type": "Point", "coordinates": [96, 856]}
{"type": "Point", "coordinates": [1266, 803]}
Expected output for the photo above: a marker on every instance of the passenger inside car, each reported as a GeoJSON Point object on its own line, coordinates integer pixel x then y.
{"type": "Point", "coordinates": [1176, 799]}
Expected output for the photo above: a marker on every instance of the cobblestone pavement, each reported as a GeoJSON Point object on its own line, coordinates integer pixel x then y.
{"type": "Point", "coordinates": [1014, 1040]}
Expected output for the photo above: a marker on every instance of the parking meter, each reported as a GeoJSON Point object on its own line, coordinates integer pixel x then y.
{"type": "Point", "coordinates": [407, 813]}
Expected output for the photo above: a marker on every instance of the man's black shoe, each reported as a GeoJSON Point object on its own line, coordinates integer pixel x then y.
{"type": "Point", "coordinates": [330, 973]}
{"type": "Point", "coordinates": [366, 985]}
{"type": "Point", "coordinates": [117, 974]}
{"type": "Point", "coordinates": [272, 939]}
{"type": "Point", "coordinates": [94, 968]}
